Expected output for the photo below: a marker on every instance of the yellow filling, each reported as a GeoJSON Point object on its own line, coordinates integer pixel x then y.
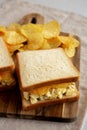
{"type": "Point", "coordinates": [6, 78]}
{"type": "Point", "coordinates": [51, 92]}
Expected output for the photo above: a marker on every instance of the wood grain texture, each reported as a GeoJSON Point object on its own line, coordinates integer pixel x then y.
{"type": "Point", "coordinates": [32, 18]}
{"type": "Point", "coordinates": [10, 101]}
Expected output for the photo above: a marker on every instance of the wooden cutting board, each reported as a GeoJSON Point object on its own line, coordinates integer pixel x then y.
{"type": "Point", "coordinates": [10, 100]}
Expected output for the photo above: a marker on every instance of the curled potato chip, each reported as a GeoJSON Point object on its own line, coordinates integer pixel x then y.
{"type": "Point", "coordinates": [35, 41]}
{"type": "Point", "coordinates": [51, 29]}
{"type": "Point", "coordinates": [72, 45]}
{"type": "Point", "coordinates": [74, 42]}
{"type": "Point", "coordinates": [70, 51]}
{"type": "Point", "coordinates": [14, 38]}
{"type": "Point", "coordinates": [67, 40]}
{"type": "Point", "coordinates": [69, 44]}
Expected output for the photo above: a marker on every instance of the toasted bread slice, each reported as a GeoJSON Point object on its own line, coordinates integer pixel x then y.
{"type": "Point", "coordinates": [65, 92]}
{"type": "Point", "coordinates": [27, 106]}
{"type": "Point", "coordinates": [44, 67]}
{"type": "Point", "coordinates": [7, 68]}
{"type": "Point", "coordinates": [5, 58]}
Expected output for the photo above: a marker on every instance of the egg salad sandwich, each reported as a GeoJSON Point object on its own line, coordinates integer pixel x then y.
{"type": "Point", "coordinates": [46, 77]}
{"type": "Point", "coordinates": [7, 68]}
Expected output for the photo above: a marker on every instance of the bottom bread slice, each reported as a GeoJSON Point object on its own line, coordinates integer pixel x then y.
{"type": "Point", "coordinates": [49, 95]}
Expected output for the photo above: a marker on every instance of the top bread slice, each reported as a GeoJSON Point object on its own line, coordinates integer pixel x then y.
{"type": "Point", "coordinates": [44, 67]}
{"type": "Point", "coordinates": [6, 62]}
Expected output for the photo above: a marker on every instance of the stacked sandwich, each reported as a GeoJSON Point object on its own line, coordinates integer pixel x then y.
{"type": "Point", "coordinates": [7, 68]}
{"type": "Point", "coordinates": [46, 77]}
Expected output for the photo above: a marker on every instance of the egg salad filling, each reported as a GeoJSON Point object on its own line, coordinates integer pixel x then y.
{"type": "Point", "coordinates": [6, 78]}
{"type": "Point", "coordinates": [57, 91]}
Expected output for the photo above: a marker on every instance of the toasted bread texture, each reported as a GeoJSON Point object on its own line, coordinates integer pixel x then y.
{"type": "Point", "coordinates": [26, 104]}
{"type": "Point", "coordinates": [42, 67]}
{"type": "Point", "coordinates": [7, 67]}
{"type": "Point", "coordinates": [6, 62]}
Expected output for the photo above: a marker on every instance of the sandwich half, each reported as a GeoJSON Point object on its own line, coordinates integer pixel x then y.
{"type": "Point", "coordinates": [46, 77]}
{"type": "Point", "coordinates": [7, 68]}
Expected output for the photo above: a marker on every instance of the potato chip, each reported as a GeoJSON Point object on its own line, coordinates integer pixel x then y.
{"type": "Point", "coordinates": [29, 29]}
{"type": "Point", "coordinates": [74, 42]}
{"type": "Point", "coordinates": [45, 45]}
{"type": "Point", "coordinates": [69, 43]}
{"type": "Point", "coordinates": [37, 36]}
{"type": "Point", "coordinates": [63, 39]}
{"type": "Point", "coordinates": [14, 38]}
{"type": "Point", "coordinates": [51, 29]}
{"type": "Point", "coordinates": [14, 27]}
{"type": "Point", "coordinates": [2, 30]}
{"type": "Point", "coordinates": [67, 40]}
{"type": "Point", "coordinates": [14, 48]}
{"type": "Point", "coordinates": [35, 41]}
{"type": "Point", "coordinates": [54, 42]}
{"type": "Point", "coordinates": [70, 51]}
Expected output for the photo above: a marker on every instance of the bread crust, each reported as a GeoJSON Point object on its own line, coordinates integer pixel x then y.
{"type": "Point", "coordinates": [27, 106]}
{"type": "Point", "coordinates": [6, 87]}
{"type": "Point", "coordinates": [18, 72]}
{"type": "Point", "coordinates": [56, 81]}
{"type": "Point", "coordinates": [39, 85]}
{"type": "Point", "coordinates": [10, 67]}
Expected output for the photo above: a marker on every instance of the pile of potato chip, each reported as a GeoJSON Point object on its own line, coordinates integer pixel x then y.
{"type": "Point", "coordinates": [37, 36]}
